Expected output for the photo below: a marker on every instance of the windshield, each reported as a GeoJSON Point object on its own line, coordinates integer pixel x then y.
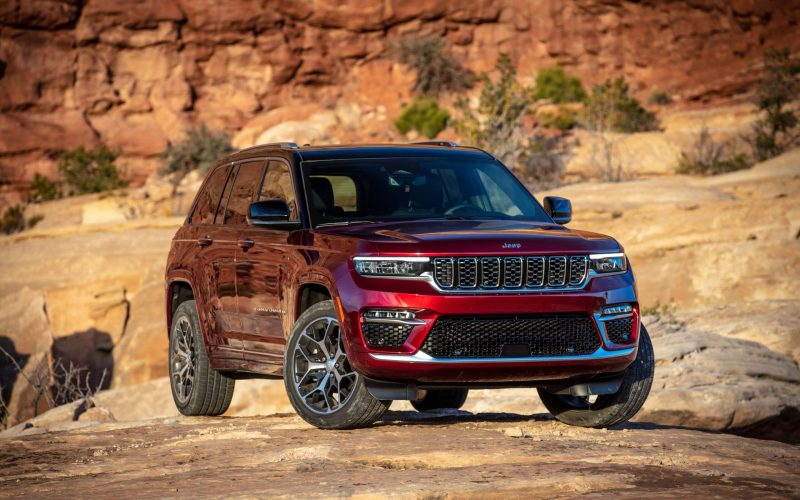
{"type": "Point", "coordinates": [389, 189]}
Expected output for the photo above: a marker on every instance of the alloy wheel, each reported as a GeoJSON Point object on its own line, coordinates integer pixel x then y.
{"type": "Point", "coordinates": [183, 362]}
{"type": "Point", "coordinates": [322, 375]}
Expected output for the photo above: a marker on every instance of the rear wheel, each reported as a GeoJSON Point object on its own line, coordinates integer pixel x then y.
{"type": "Point", "coordinates": [197, 389]}
{"type": "Point", "coordinates": [322, 386]}
{"type": "Point", "coordinates": [610, 409]}
{"type": "Point", "coordinates": [439, 399]}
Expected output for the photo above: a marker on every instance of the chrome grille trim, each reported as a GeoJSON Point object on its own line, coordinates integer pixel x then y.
{"type": "Point", "coordinates": [490, 272]}
{"type": "Point", "coordinates": [443, 272]}
{"type": "Point", "coordinates": [556, 271]}
{"type": "Point", "coordinates": [467, 272]}
{"type": "Point", "coordinates": [535, 272]}
{"type": "Point", "coordinates": [510, 273]}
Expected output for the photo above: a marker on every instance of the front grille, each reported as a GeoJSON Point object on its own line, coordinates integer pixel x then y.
{"type": "Point", "coordinates": [619, 330]}
{"type": "Point", "coordinates": [511, 336]}
{"type": "Point", "coordinates": [385, 334]}
{"type": "Point", "coordinates": [510, 273]}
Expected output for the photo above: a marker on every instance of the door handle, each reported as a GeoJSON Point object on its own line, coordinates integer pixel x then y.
{"type": "Point", "coordinates": [205, 241]}
{"type": "Point", "coordinates": [245, 244]}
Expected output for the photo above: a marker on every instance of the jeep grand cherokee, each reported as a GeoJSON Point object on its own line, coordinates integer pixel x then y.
{"type": "Point", "coordinates": [366, 274]}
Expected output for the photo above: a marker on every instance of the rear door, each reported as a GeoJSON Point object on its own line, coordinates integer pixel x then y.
{"type": "Point", "coordinates": [214, 267]}
{"type": "Point", "coordinates": [260, 273]}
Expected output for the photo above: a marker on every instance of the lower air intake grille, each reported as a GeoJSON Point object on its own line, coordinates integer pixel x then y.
{"type": "Point", "coordinates": [620, 330]}
{"type": "Point", "coordinates": [511, 336]}
{"type": "Point", "coordinates": [385, 334]}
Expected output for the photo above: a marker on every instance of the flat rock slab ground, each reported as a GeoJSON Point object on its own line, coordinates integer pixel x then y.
{"type": "Point", "coordinates": [406, 455]}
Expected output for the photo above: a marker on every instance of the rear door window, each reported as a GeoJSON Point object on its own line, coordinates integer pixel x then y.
{"type": "Point", "coordinates": [243, 192]}
{"type": "Point", "coordinates": [209, 198]}
{"type": "Point", "coordinates": [278, 186]}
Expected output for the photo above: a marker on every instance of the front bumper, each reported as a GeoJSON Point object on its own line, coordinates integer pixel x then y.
{"type": "Point", "coordinates": [408, 364]}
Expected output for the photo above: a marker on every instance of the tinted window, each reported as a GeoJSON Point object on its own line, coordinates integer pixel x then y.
{"type": "Point", "coordinates": [247, 181]}
{"type": "Point", "coordinates": [386, 189]}
{"type": "Point", "coordinates": [278, 186]}
{"type": "Point", "coordinates": [208, 199]}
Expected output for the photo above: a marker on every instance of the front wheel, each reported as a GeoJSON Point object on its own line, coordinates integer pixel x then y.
{"type": "Point", "coordinates": [322, 386]}
{"type": "Point", "coordinates": [610, 409]}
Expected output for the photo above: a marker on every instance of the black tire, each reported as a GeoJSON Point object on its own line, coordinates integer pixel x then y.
{"type": "Point", "coordinates": [210, 391]}
{"type": "Point", "coordinates": [439, 399]}
{"type": "Point", "coordinates": [611, 409]}
{"type": "Point", "coordinates": [358, 407]}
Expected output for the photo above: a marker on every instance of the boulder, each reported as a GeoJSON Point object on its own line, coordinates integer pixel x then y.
{"type": "Point", "coordinates": [26, 341]}
{"type": "Point", "coordinates": [708, 381]}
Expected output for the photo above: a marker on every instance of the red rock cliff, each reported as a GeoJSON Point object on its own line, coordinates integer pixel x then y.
{"type": "Point", "coordinates": [134, 74]}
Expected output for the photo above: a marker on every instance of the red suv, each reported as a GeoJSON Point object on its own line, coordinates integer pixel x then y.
{"type": "Point", "coordinates": [365, 274]}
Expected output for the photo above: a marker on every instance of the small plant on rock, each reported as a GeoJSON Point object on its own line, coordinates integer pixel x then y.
{"type": "Point", "coordinates": [90, 171]}
{"type": "Point", "coordinates": [709, 157]}
{"type": "Point", "coordinates": [555, 85]}
{"type": "Point", "coordinates": [199, 149]}
{"type": "Point", "coordinates": [43, 189]}
{"type": "Point", "coordinates": [14, 220]}
{"type": "Point", "coordinates": [611, 109]}
{"type": "Point", "coordinates": [777, 128]}
{"type": "Point", "coordinates": [437, 69]}
{"type": "Point", "coordinates": [423, 115]}
{"type": "Point", "coordinates": [496, 126]}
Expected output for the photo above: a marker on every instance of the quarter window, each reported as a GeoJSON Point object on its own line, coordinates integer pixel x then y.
{"type": "Point", "coordinates": [209, 198]}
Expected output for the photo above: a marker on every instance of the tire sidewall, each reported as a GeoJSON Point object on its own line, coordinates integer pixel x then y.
{"type": "Point", "coordinates": [352, 412]}
{"type": "Point", "coordinates": [187, 310]}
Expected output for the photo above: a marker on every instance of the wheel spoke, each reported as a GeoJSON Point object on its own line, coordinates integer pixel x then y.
{"type": "Point", "coordinates": [322, 376]}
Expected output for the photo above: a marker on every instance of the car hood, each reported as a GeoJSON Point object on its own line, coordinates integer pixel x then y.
{"type": "Point", "coordinates": [474, 237]}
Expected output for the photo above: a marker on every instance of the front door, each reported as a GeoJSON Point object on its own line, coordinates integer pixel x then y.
{"type": "Point", "coordinates": [261, 272]}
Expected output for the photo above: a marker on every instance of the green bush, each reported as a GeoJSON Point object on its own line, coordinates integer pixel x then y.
{"type": "Point", "coordinates": [658, 98]}
{"type": "Point", "coordinates": [708, 157]}
{"type": "Point", "coordinates": [199, 149]}
{"type": "Point", "coordinates": [496, 126]}
{"type": "Point", "coordinates": [610, 109]}
{"type": "Point", "coordinates": [423, 115]}
{"type": "Point", "coordinates": [43, 189]}
{"type": "Point", "coordinates": [90, 171]}
{"type": "Point", "coordinates": [14, 221]}
{"type": "Point", "coordinates": [563, 119]}
{"type": "Point", "coordinates": [555, 85]}
{"type": "Point", "coordinates": [437, 69]}
{"type": "Point", "coordinates": [775, 131]}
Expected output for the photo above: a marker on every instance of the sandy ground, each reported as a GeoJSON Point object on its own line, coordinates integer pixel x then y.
{"type": "Point", "coordinates": [407, 455]}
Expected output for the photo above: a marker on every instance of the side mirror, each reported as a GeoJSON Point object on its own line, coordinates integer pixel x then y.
{"type": "Point", "coordinates": [560, 209]}
{"type": "Point", "coordinates": [270, 213]}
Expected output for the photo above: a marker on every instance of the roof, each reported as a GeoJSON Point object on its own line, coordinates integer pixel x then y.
{"type": "Point", "coordinates": [344, 151]}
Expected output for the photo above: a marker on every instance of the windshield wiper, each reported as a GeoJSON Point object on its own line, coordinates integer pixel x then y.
{"type": "Point", "coordinates": [345, 223]}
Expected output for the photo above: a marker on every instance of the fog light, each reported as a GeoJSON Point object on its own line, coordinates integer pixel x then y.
{"type": "Point", "coordinates": [384, 314]}
{"type": "Point", "coordinates": [617, 309]}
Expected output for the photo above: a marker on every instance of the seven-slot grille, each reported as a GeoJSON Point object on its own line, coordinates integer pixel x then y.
{"type": "Point", "coordinates": [510, 273]}
{"type": "Point", "coordinates": [511, 336]}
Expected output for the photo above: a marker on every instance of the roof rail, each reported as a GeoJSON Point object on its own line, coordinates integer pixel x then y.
{"type": "Point", "coordinates": [445, 144]}
{"type": "Point", "coordinates": [282, 145]}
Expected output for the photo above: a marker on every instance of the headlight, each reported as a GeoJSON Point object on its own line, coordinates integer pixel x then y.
{"type": "Point", "coordinates": [609, 263]}
{"type": "Point", "coordinates": [399, 267]}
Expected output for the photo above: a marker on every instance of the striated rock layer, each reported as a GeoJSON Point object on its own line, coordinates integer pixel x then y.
{"type": "Point", "coordinates": [426, 457]}
{"type": "Point", "coordinates": [134, 75]}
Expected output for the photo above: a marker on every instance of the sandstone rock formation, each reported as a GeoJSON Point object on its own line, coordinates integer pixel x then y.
{"type": "Point", "coordinates": [134, 76]}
